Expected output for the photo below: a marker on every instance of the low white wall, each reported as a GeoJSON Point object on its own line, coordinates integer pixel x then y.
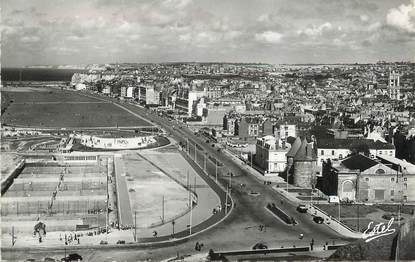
{"type": "Point", "coordinates": [116, 143]}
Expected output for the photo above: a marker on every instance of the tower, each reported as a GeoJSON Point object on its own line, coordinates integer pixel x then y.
{"type": "Point", "coordinates": [305, 163]}
{"type": "Point", "coordinates": [293, 150]}
{"type": "Point", "coordinates": [394, 85]}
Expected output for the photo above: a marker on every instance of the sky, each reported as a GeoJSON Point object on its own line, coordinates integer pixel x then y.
{"type": "Point", "coordinates": [58, 32]}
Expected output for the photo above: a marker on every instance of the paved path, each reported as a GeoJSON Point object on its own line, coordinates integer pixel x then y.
{"type": "Point", "coordinates": [207, 198]}
{"type": "Point", "coordinates": [123, 199]}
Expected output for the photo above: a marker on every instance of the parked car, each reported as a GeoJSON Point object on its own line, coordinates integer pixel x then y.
{"type": "Point", "coordinates": [259, 246]}
{"type": "Point", "coordinates": [318, 220]}
{"type": "Point", "coordinates": [72, 257]}
{"type": "Point", "coordinates": [302, 208]}
{"type": "Point", "coordinates": [334, 199]}
{"type": "Point", "coordinates": [121, 242]}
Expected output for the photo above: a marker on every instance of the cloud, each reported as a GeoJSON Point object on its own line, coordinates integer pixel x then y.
{"type": "Point", "coordinates": [74, 38]}
{"type": "Point", "coordinates": [30, 39]}
{"type": "Point", "coordinates": [205, 30]}
{"type": "Point", "coordinates": [364, 18]}
{"type": "Point", "coordinates": [374, 26]}
{"type": "Point", "coordinates": [270, 37]}
{"type": "Point", "coordinates": [403, 17]}
{"type": "Point", "coordinates": [314, 31]}
{"type": "Point", "coordinates": [178, 4]}
{"type": "Point", "coordinates": [65, 50]}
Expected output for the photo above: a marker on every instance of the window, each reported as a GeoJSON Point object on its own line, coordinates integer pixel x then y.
{"type": "Point", "coordinates": [391, 152]}
{"type": "Point", "coordinates": [392, 179]}
{"type": "Point", "coordinates": [379, 194]}
{"type": "Point", "coordinates": [332, 152]}
{"type": "Point", "coordinates": [392, 192]}
{"type": "Point", "coordinates": [322, 152]}
{"type": "Point", "coordinates": [405, 179]}
{"type": "Point", "coordinates": [366, 179]}
{"type": "Point", "coordinates": [340, 156]}
{"type": "Point", "coordinates": [286, 134]}
{"type": "Point", "coordinates": [380, 152]}
{"type": "Point", "coordinates": [380, 171]}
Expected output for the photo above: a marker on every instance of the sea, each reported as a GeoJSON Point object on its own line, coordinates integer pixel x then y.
{"type": "Point", "coordinates": [38, 74]}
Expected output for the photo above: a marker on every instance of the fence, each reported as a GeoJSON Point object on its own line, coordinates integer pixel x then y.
{"type": "Point", "coordinates": [59, 207]}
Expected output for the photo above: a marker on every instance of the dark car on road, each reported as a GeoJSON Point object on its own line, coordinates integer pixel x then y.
{"type": "Point", "coordinates": [72, 257]}
{"type": "Point", "coordinates": [259, 246]}
{"type": "Point", "coordinates": [302, 209]}
{"type": "Point", "coordinates": [318, 220]}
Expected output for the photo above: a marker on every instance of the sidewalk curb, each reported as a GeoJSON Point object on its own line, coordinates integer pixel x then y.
{"type": "Point", "coordinates": [133, 245]}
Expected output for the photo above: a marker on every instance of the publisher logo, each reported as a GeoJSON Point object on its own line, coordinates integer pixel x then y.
{"type": "Point", "coordinates": [378, 230]}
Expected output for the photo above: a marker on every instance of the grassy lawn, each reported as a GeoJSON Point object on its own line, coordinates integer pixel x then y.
{"type": "Point", "coordinates": [69, 115]}
{"type": "Point", "coordinates": [23, 111]}
{"type": "Point", "coordinates": [5, 101]}
{"type": "Point", "coordinates": [45, 95]}
{"type": "Point", "coordinates": [407, 209]}
{"type": "Point", "coordinates": [347, 210]}
{"type": "Point", "coordinates": [358, 225]}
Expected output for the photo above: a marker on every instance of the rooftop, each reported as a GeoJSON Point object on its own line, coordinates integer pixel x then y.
{"type": "Point", "coordinates": [332, 143]}
{"type": "Point", "coordinates": [359, 161]}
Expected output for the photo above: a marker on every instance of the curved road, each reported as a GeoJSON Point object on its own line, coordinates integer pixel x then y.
{"type": "Point", "coordinates": [182, 134]}
{"type": "Point", "coordinates": [248, 209]}
{"type": "Point", "coordinates": [305, 226]}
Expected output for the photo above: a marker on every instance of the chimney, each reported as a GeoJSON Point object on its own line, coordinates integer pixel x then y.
{"type": "Point", "coordinates": [309, 151]}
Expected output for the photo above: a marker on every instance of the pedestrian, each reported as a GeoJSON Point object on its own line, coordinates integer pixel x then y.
{"type": "Point", "coordinates": [197, 246]}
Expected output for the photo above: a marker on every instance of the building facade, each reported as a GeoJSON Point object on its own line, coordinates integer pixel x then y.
{"type": "Point", "coordinates": [270, 155]}
{"type": "Point", "coordinates": [363, 179]}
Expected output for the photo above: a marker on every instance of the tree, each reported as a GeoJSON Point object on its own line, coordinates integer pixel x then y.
{"type": "Point", "coordinates": [319, 131]}
{"type": "Point", "coordinates": [359, 147]}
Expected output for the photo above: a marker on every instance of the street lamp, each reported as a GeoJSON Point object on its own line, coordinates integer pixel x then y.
{"type": "Point", "coordinates": [313, 186]}
{"type": "Point", "coordinates": [216, 170]}
{"type": "Point", "coordinates": [287, 177]}
{"type": "Point", "coordinates": [357, 201]}
{"type": "Point", "coordinates": [172, 223]}
{"type": "Point", "coordinates": [399, 210]}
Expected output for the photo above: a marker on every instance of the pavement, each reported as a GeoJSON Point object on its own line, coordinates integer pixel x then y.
{"type": "Point", "coordinates": [123, 199]}
{"type": "Point", "coordinates": [313, 211]}
{"type": "Point", "coordinates": [209, 197]}
{"type": "Point", "coordinates": [240, 229]}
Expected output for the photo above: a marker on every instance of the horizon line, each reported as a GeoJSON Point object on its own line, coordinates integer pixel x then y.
{"type": "Point", "coordinates": [203, 62]}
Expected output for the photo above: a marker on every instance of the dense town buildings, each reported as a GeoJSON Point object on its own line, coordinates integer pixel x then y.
{"type": "Point", "coordinates": [297, 118]}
